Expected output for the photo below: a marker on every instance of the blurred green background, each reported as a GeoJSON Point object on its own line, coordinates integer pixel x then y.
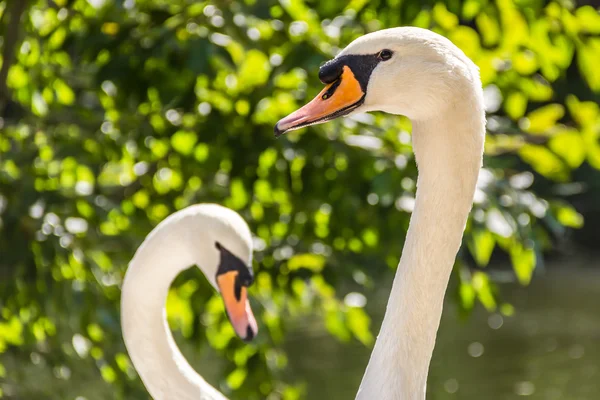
{"type": "Point", "coordinates": [115, 113]}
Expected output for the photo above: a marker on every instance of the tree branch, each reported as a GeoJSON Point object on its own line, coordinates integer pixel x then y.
{"type": "Point", "coordinates": [11, 39]}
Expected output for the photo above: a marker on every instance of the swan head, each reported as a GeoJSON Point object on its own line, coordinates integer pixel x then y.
{"type": "Point", "coordinates": [408, 71]}
{"type": "Point", "coordinates": [227, 263]}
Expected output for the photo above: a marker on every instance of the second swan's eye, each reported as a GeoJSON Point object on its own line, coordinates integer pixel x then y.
{"type": "Point", "coordinates": [385, 55]}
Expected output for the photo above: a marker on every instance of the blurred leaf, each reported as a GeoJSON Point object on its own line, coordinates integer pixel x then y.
{"type": "Point", "coordinates": [570, 146]}
{"type": "Point", "coordinates": [543, 118]}
{"type": "Point", "coordinates": [515, 105]}
{"type": "Point", "coordinates": [587, 59]}
{"type": "Point", "coordinates": [544, 162]}
{"type": "Point", "coordinates": [183, 142]}
{"type": "Point", "coordinates": [255, 70]}
{"type": "Point", "coordinates": [313, 262]}
{"type": "Point", "coordinates": [523, 261]}
{"type": "Point", "coordinates": [481, 245]}
{"type": "Point", "coordinates": [483, 289]}
{"type": "Point", "coordinates": [236, 378]}
{"type": "Point", "coordinates": [569, 217]}
{"type": "Point", "coordinates": [359, 322]}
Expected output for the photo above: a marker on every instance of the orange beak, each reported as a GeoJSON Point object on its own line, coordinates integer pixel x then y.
{"type": "Point", "coordinates": [235, 297]}
{"type": "Point", "coordinates": [337, 99]}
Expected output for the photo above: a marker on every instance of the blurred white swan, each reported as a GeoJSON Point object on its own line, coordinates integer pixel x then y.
{"type": "Point", "coordinates": [218, 241]}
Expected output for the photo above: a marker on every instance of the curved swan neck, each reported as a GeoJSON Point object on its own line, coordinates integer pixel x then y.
{"type": "Point", "coordinates": [161, 366]}
{"type": "Point", "coordinates": [449, 154]}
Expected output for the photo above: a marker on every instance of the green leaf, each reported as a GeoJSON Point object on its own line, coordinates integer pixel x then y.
{"type": "Point", "coordinates": [370, 237]}
{"type": "Point", "coordinates": [483, 289]}
{"type": "Point", "coordinates": [17, 77]}
{"type": "Point", "coordinates": [523, 260]}
{"type": "Point", "coordinates": [471, 8]}
{"type": "Point", "coordinates": [589, 19]}
{"type": "Point", "coordinates": [313, 262]}
{"type": "Point", "coordinates": [588, 57]}
{"type": "Point", "coordinates": [515, 105]}
{"type": "Point", "coordinates": [64, 93]}
{"type": "Point", "coordinates": [567, 216]}
{"type": "Point", "coordinates": [11, 332]}
{"type": "Point", "coordinates": [536, 89]}
{"type": "Point", "coordinates": [544, 118]}
{"type": "Point", "coordinates": [585, 113]}
{"type": "Point", "coordinates": [108, 373]}
{"type": "Point", "coordinates": [239, 196]}
{"type": "Point", "coordinates": [358, 321]}
{"type": "Point", "coordinates": [489, 28]}
{"type": "Point", "coordinates": [482, 245]}
{"type": "Point", "coordinates": [466, 295]}
{"type": "Point", "coordinates": [183, 142]}
{"type": "Point", "coordinates": [569, 145]}
{"type": "Point", "coordinates": [291, 79]}
{"type": "Point", "coordinates": [443, 17]}
{"type": "Point", "coordinates": [467, 40]}
{"type": "Point", "coordinates": [334, 322]}
{"type": "Point", "coordinates": [544, 161]}
{"type": "Point", "coordinates": [236, 378]}
{"type": "Point", "coordinates": [525, 62]}
{"type": "Point", "coordinates": [255, 70]}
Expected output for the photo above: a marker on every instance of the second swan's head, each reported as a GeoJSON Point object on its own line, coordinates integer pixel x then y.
{"type": "Point", "coordinates": [408, 71]}
{"type": "Point", "coordinates": [226, 258]}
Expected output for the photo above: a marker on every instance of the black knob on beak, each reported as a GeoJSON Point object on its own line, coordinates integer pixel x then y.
{"type": "Point", "coordinates": [331, 71]}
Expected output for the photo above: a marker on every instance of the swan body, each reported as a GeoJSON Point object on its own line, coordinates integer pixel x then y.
{"type": "Point", "coordinates": [218, 241]}
{"type": "Point", "coordinates": [422, 75]}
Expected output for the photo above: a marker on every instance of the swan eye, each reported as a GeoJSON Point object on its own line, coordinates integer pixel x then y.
{"type": "Point", "coordinates": [385, 55]}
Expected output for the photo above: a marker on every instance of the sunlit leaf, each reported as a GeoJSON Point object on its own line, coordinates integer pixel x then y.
{"type": "Point", "coordinates": [569, 217]}
{"type": "Point", "coordinates": [523, 261]}
{"type": "Point", "coordinates": [481, 246]}
{"type": "Point", "coordinates": [358, 321]}
{"type": "Point", "coordinates": [515, 105]}
{"type": "Point", "coordinates": [184, 141]}
{"type": "Point", "coordinates": [544, 162]}
{"type": "Point", "coordinates": [543, 118]}
{"type": "Point", "coordinates": [313, 262]}
{"type": "Point", "coordinates": [570, 146]}
{"type": "Point", "coordinates": [255, 69]}
{"type": "Point", "coordinates": [483, 289]}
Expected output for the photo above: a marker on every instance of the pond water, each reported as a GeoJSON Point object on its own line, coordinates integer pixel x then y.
{"type": "Point", "coordinates": [549, 349]}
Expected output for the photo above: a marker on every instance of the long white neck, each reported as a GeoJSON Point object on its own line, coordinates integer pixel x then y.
{"type": "Point", "coordinates": [449, 152]}
{"type": "Point", "coordinates": [164, 254]}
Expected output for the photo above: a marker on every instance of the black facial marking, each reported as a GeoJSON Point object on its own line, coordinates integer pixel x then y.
{"type": "Point", "coordinates": [229, 262]}
{"type": "Point", "coordinates": [330, 71]}
{"type": "Point", "coordinates": [361, 66]}
{"type": "Point", "coordinates": [249, 334]}
{"type": "Point", "coordinates": [331, 90]}
{"type": "Point", "coordinates": [237, 289]}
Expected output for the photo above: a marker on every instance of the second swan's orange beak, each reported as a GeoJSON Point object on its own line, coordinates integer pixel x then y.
{"type": "Point", "coordinates": [235, 297]}
{"type": "Point", "coordinates": [338, 98]}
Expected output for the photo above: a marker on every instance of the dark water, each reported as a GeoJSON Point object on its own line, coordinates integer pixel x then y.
{"type": "Point", "coordinates": [549, 349]}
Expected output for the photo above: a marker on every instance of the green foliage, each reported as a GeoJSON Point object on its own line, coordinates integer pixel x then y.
{"type": "Point", "coordinates": [117, 113]}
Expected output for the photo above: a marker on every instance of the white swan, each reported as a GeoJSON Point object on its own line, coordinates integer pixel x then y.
{"type": "Point", "coordinates": [218, 241]}
{"type": "Point", "coordinates": [422, 75]}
